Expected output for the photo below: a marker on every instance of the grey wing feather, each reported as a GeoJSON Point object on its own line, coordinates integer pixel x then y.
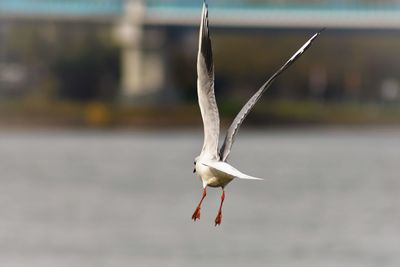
{"type": "Point", "coordinates": [205, 90]}
{"type": "Point", "coordinates": [230, 135]}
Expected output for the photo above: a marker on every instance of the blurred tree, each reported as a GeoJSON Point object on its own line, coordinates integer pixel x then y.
{"type": "Point", "coordinates": [77, 61]}
{"type": "Point", "coordinates": [88, 73]}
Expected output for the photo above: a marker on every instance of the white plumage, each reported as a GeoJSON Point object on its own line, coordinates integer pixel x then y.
{"type": "Point", "coordinates": [211, 164]}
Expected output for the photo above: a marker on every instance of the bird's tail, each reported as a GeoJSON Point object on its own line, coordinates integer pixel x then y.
{"type": "Point", "coordinates": [248, 177]}
{"type": "Point", "coordinates": [227, 169]}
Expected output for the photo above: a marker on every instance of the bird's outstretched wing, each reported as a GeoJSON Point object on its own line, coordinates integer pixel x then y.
{"type": "Point", "coordinates": [233, 129]}
{"type": "Point", "coordinates": [205, 90]}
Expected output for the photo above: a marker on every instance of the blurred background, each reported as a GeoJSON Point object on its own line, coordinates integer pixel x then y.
{"type": "Point", "coordinates": [99, 126]}
{"type": "Point", "coordinates": [115, 63]}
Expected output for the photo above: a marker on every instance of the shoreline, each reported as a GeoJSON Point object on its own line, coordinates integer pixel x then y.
{"type": "Point", "coordinates": [276, 113]}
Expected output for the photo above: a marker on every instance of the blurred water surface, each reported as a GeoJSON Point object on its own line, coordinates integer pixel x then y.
{"type": "Point", "coordinates": [330, 198]}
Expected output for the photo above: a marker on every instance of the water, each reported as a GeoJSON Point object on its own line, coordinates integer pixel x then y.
{"type": "Point", "coordinates": [330, 198]}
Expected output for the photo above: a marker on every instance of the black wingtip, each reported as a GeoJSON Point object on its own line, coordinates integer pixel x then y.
{"type": "Point", "coordinates": [205, 47]}
{"type": "Point", "coordinates": [322, 30]}
{"type": "Point", "coordinates": [205, 11]}
{"type": "Point", "coordinates": [315, 36]}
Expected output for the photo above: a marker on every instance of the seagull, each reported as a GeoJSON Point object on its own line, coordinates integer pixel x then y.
{"type": "Point", "coordinates": [211, 165]}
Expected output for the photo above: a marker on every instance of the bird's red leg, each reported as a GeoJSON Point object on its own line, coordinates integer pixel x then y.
{"type": "Point", "coordinates": [196, 213]}
{"type": "Point", "coordinates": [219, 215]}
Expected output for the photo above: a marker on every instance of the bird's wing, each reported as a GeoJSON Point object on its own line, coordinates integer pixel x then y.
{"type": "Point", "coordinates": [226, 169]}
{"type": "Point", "coordinates": [205, 90]}
{"type": "Point", "coordinates": [233, 129]}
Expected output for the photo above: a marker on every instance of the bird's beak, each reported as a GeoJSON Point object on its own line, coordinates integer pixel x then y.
{"type": "Point", "coordinates": [194, 170]}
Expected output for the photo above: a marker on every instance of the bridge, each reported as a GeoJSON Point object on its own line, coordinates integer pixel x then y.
{"type": "Point", "coordinates": [224, 13]}
{"type": "Point", "coordinates": [131, 18]}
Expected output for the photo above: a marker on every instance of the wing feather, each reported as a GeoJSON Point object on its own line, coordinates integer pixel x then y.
{"type": "Point", "coordinates": [233, 129]}
{"type": "Point", "coordinates": [205, 90]}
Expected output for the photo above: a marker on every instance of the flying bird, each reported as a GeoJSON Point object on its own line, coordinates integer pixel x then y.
{"type": "Point", "coordinates": [211, 165]}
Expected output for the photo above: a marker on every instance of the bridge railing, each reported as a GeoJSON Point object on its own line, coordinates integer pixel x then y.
{"type": "Point", "coordinates": [157, 9]}
{"type": "Point", "coordinates": [62, 8]}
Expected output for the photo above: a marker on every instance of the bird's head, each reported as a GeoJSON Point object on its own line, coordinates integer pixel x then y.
{"type": "Point", "coordinates": [195, 162]}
